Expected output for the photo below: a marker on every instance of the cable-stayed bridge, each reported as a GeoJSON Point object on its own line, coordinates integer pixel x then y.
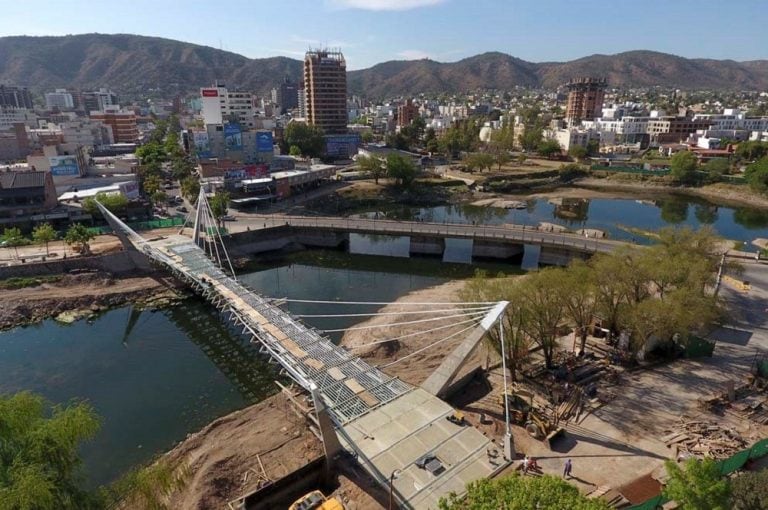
{"type": "Point", "coordinates": [387, 424]}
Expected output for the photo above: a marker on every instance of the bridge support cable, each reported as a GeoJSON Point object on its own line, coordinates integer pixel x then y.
{"type": "Point", "coordinates": [408, 312]}
{"type": "Point", "coordinates": [490, 304]}
{"type": "Point", "coordinates": [473, 315]}
{"type": "Point", "coordinates": [417, 333]}
{"type": "Point", "coordinates": [207, 234]}
{"type": "Point", "coordinates": [426, 347]}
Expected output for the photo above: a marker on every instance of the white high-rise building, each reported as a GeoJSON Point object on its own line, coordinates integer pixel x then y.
{"type": "Point", "coordinates": [221, 105]}
{"type": "Point", "coordinates": [59, 99]}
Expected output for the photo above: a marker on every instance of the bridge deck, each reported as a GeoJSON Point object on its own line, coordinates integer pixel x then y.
{"type": "Point", "coordinates": [387, 422]}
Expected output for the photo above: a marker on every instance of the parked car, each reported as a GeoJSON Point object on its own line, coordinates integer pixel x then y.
{"type": "Point", "coordinates": [228, 217]}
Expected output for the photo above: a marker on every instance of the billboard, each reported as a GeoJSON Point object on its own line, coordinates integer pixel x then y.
{"type": "Point", "coordinates": [341, 145]}
{"type": "Point", "coordinates": [256, 171]}
{"type": "Point", "coordinates": [264, 141]}
{"type": "Point", "coordinates": [233, 137]}
{"type": "Point", "coordinates": [202, 144]}
{"type": "Point", "coordinates": [210, 93]}
{"type": "Point", "coordinates": [129, 189]}
{"type": "Point", "coordinates": [64, 165]}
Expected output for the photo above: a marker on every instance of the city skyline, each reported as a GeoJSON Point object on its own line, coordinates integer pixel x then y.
{"type": "Point", "coordinates": [374, 31]}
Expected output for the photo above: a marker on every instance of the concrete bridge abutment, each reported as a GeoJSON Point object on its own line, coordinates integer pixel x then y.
{"type": "Point", "coordinates": [431, 246]}
{"type": "Point", "coordinates": [496, 250]}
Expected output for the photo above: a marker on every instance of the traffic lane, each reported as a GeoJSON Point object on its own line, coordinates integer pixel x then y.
{"type": "Point", "coordinates": [746, 310]}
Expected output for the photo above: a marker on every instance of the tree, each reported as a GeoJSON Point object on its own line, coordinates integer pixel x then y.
{"type": "Point", "coordinates": [548, 148]}
{"type": "Point", "coordinates": [308, 138]}
{"type": "Point", "coordinates": [749, 490]}
{"type": "Point", "coordinates": [756, 175]}
{"type": "Point", "coordinates": [366, 136]}
{"type": "Point", "coordinates": [580, 297]}
{"type": "Point", "coordinates": [295, 151]}
{"type": "Point", "coordinates": [752, 150]}
{"type": "Point", "coordinates": [501, 158]}
{"type": "Point", "coordinates": [483, 289]}
{"type": "Point", "coordinates": [521, 158]}
{"type": "Point", "coordinates": [159, 197]}
{"type": "Point", "coordinates": [397, 141]}
{"type": "Point", "coordinates": [577, 152]}
{"type": "Point", "coordinates": [530, 139]}
{"type": "Point", "coordinates": [79, 235]}
{"type": "Point", "coordinates": [716, 168]}
{"type": "Point", "coordinates": [478, 160]}
{"type": "Point", "coordinates": [152, 152]}
{"type": "Point", "coordinates": [152, 184]}
{"type": "Point", "coordinates": [219, 204]}
{"type": "Point", "coordinates": [372, 166]}
{"type": "Point", "coordinates": [190, 188]}
{"type": "Point", "coordinates": [543, 307]}
{"type": "Point", "coordinates": [44, 233]}
{"type": "Point", "coordinates": [683, 167]}
{"type": "Point", "coordinates": [593, 148]}
{"type": "Point", "coordinates": [697, 486]}
{"type": "Point", "coordinates": [115, 202]}
{"type": "Point", "coordinates": [13, 237]}
{"type": "Point", "coordinates": [401, 169]}
{"type": "Point", "coordinates": [518, 492]}
{"type": "Point", "coordinates": [39, 463]}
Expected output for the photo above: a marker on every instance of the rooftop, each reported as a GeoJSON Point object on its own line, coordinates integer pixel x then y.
{"type": "Point", "coordinates": [17, 180]}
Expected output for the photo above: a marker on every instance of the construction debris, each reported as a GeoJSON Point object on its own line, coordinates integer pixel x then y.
{"type": "Point", "coordinates": [702, 439]}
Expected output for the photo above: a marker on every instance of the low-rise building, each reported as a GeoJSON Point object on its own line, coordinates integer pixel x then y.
{"type": "Point", "coordinates": [23, 194]}
{"type": "Point", "coordinates": [14, 143]}
{"type": "Point", "coordinates": [122, 122]}
{"type": "Point", "coordinates": [60, 99]}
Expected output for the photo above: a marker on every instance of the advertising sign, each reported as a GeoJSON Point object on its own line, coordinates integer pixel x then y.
{"type": "Point", "coordinates": [202, 144]}
{"type": "Point", "coordinates": [264, 141]}
{"type": "Point", "coordinates": [256, 171]}
{"type": "Point", "coordinates": [129, 189]}
{"type": "Point", "coordinates": [210, 93]}
{"type": "Point", "coordinates": [341, 145]}
{"type": "Point", "coordinates": [232, 174]}
{"type": "Point", "coordinates": [63, 165]}
{"type": "Point", "coordinates": [233, 137]}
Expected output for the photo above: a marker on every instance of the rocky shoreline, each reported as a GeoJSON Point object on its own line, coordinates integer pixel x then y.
{"type": "Point", "coordinates": [84, 296]}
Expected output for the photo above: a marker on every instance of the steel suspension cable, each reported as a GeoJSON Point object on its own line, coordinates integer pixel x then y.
{"type": "Point", "coordinates": [405, 323]}
{"type": "Point", "coordinates": [409, 312]}
{"type": "Point", "coordinates": [460, 323]}
{"type": "Point", "coordinates": [426, 347]}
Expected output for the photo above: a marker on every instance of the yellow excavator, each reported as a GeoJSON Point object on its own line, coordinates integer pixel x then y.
{"type": "Point", "coordinates": [524, 413]}
{"type": "Point", "coordinates": [315, 500]}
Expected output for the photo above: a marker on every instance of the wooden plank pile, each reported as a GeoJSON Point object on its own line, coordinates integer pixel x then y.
{"type": "Point", "coordinates": [703, 439]}
{"type": "Point", "coordinates": [753, 407]}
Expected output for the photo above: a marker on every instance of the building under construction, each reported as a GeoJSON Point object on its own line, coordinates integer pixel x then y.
{"type": "Point", "coordinates": [585, 99]}
{"type": "Point", "coordinates": [325, 86]}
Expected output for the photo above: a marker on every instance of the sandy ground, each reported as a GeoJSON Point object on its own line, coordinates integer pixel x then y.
{"type": "Point", "coordinates": [85, 293]}
{"type": "Point", "coordinates": [414, 367]}
{"type": "Point", "coordinates": [222, 459]}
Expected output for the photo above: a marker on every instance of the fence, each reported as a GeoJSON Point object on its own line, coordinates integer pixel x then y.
{"type": "Point", "coordinates": [698, 347]}
{"type": "Point", "coordinates": [176, 221]}
{"type": "Point", "coordinates": [726, 467]}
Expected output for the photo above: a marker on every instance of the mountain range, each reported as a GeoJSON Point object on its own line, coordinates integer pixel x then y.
{"type": "Point", "coordinates": [132, 64]}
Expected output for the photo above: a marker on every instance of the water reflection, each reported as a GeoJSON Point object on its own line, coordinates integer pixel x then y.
{"type": "Point", "coordinates": [673, 210]}
{"type": "Point", "coordinates": [751, 218]}
{"type": "Point", "coordinates": [574, 210]}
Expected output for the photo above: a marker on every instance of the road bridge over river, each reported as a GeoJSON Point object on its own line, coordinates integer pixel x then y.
{"type": "Point", "coordinates": [387, 424]}
{"type": "Point", "coordinates": [428, 238]}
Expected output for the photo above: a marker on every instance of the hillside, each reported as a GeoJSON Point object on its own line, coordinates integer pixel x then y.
{"type": "Point", "coordinates": [132, 64]}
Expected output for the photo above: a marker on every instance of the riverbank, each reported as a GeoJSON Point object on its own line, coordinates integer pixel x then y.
{"type": "Point", "coordinates": [70, 297]}
{"type": "Point", "coordinates": [726, 194]}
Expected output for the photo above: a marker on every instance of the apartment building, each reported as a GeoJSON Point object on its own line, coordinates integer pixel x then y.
{"type": "Point", "coordinates": [122, 122]}
{"type": "Point", "coordinates": [585, 99]}
{"type": "Point", "coordinates": [325, 87]}
{"type": "Point", "coordinates": [15, 97]}
{"type": "Point", "coordinates": [60, 99]}
{"type": "Point", "coordinates": [220, 105]}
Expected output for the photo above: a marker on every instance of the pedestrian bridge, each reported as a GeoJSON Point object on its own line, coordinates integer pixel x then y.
{"type": "Point", "coordinates": [387, 424]}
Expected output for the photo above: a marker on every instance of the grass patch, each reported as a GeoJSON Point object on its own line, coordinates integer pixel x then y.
{"type": "Point", "coordinates": [20, 282]}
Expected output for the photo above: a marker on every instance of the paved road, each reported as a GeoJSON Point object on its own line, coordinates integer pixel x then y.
{"type": "Point", "coordinates": [507, 232]}
{"type": "Point", "coordinates": [747, 319]}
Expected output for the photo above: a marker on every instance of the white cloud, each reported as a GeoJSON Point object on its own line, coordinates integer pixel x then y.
{"type": "Point", "coordinates": [384, 5]}
{"type": "Point", "coordinates": [413, 54]}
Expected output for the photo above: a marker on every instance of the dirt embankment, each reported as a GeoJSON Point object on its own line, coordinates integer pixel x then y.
{"type": "Point", "coordinates": [76, 296]}
{"type": "Point", "coordinates": [720, 193]}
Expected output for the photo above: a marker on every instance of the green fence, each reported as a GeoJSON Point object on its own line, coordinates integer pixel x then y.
{"type": "Point", "coordinates": [698, 347]}
{"type": "Point", "coordinates": [176, 221]}
{"type": "Point", "coordinates": [727, 466]}
{"type": "Point", "coordinates": [629, 170]}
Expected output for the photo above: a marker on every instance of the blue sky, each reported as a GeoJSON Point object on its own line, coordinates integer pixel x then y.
{"type": "Point", "coordinates": [372, 31]}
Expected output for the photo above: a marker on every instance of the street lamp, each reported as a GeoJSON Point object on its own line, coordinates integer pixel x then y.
{"type": "Point", "coordinates": [392, 478]}
{"type": "Point", "coordinates": [508, 431]}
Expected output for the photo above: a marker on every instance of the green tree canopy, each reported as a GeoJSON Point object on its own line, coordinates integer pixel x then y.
{"type": "Point", "coordinates": [219, 205]}
{"type": "Point", "coordinates": [577, 152]}
{"type": "Point", "coordinates": [12, 237]}
{"type": "Point", "coordinates": [752, 150]}
{"type": "Point", "coordinates": [479, 161]}
{"type": "Point", "coordinates": [683, 167]}
{"type": "Point", "coordinates": [716, 168]}
{"type": "Point", "coordinates": [79, 236]}
{"type": "Point", "coordinates": [401, 169]}
{"type": "Point", "coordinates": [548, 148]}
{"type": "Point", "coordinates": [372, 166]}
{"type": "Point", "coordinates": [757, 175]}
{"type": "Point", "coordinates": [190, 188]}
{"type": "Point", "coordinates": [152, 152]}
{"type": "Point", "coordinates": [308, 138]}
{"type": "Point", "coordinates": [115, 202]}
{"type": "Point", "coordinates": [522, 493]}
{"type": "Point", "coordinates": [294, 150]}
{"type": "Point", "coordinates": [531, 138]}
{"type": "Point", "coordinates": [697, 485]}
{"type": "Point", "coordinates": [39, 465]}
{"type": "Point", "coordinates": [44, 233]}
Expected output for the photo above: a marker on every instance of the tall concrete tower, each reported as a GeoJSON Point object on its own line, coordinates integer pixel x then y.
{"type": "Point", "coordinates": [585, 99]}
{"type": "Point", "coordinates": [325, 87]}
